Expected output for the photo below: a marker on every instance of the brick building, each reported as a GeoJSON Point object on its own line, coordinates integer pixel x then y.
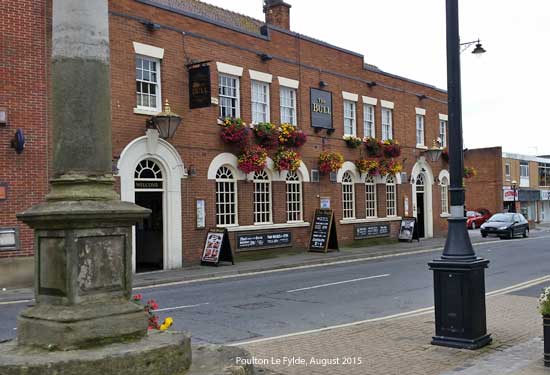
{"type": "Point", "coordinates": [493, 187]}
{"type": "Point", "coordinates": [259, 71]}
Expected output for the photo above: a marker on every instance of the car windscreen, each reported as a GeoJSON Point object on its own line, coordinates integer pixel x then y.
{"type": "Point", "coordinates": [501, 217]}
{"type": "Point", "coordinates": [471, 213]}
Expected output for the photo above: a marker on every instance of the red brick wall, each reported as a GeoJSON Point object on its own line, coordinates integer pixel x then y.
{"type": "Point", "coordinates": [485, 189]}
{"type": "Point", "coordinates": [23, 92]}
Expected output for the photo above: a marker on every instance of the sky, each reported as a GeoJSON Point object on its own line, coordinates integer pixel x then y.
{"type": "Point", "coordinates": [504, 91]}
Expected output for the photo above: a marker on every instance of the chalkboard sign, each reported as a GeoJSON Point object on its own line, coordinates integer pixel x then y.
{"type": "Point", "coordinates": [217, 248]}
{"type": "Point", "coordinates": [408, 230]}
{"type": "Point", "coordinates": [363, 231]}
{"type": "Point", "coordinates": [323, 231]}
{"type": "Point", "coordinates": [264, 240]}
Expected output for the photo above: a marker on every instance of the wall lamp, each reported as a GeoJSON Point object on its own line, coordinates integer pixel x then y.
{"type": "Point", "coordinates": [166, 122]}
{"type": "Point", "coordinates": [151, 26]}
{"type": "Point", "coordinates": [434, 153]}
{"type": "Point", "coordinates": [421, 97]}
{"type": "Point", "coordinates": [18, 141]}
{"type": "Point", "coordinates": [371, 84]}
{"type": "Point", "coordinates": [265, 57]}
{"type": "Point", "coordinates": [323, 84]}
{"type": "Point", "coordinates": [478, 50]}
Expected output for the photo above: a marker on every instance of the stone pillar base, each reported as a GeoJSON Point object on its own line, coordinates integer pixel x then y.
{"type": "Point", "coordinates": [157, 353]}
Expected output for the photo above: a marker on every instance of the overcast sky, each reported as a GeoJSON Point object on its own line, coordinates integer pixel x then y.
{"type": "Point", "coordinates": [504, 92]}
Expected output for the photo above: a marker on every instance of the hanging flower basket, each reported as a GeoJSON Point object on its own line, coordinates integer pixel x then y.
{"type": "Point", "coordinates": [445, 155]}
{"type": "Point", "coordinates": [392, 166]}
{"type": "Point", "coordinates": [370, 167]}
{"type": "Point", "coordinates": [267, 135]}
{"type": "Point", "coordinates": [290, 136]}
{"type": "Point", "coordinates": [391, 148]}
{"type": "Point", "coordinates": [330, 161]}
{"type": "Point", "coordinates": [252, 159]}
{"type": "Point", "coordinates": [235, 131]}
{"type": "Point", "coordinates": [373, 147]}
{"type": "Point", "coordinates": [287, 160]}
{"type": "Point", "coordinates": [352, 141]}
{"type": "Point", "coordinates": [470, 172]}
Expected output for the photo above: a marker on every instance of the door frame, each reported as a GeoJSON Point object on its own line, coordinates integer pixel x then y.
{"type": "Point", "coordinates": [422, 167]}
{"type": "Point", "coordinates": [167, 157]}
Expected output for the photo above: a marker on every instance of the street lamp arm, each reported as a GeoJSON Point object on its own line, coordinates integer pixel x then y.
{"type": "Point", "coordinates": [477, 50]}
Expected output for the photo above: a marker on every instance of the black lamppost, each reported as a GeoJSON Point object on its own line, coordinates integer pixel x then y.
{"type": "Point", "coordinates": [515, 190]}
{"type": "Point", "coordinates": [459, 275]}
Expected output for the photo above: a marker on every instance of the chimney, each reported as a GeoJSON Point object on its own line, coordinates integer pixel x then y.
{"type": "Point", "coordinates": [277, 13]}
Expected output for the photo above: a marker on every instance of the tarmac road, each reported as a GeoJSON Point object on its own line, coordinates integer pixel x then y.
{"type": "Point", "coordinates": [264, 305]}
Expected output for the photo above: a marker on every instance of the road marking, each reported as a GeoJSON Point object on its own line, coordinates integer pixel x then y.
{"type": "Point", "coordinates": [16, 302]}
{"type": "Point", "coordinates": [407, 314]}
{"type": "Point", "coordinates": [338, 283]}
{"type": "Point", "coordinates": [182, 307]}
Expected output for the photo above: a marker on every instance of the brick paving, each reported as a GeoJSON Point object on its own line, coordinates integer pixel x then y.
{"type": "Point", "coordinates": [402, 345]}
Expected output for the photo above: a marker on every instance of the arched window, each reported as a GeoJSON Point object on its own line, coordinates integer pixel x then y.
{"type": "Point", "coordinates": [370, 197]}
{"type": "Point", "coordinates": [444, 195]}
{"type": "Point", "coordinates": [148, 170]}
{"type": "Point", "coordinates": [262, 198]}
{"type": "Point", "coordinates": [226, 197]}
{"type": "Point", "coordinates": [348, 196]}
{"type": "Point", "coordinates": [391, 206]}
{"type": "Point", "coordinates": [293, 197]}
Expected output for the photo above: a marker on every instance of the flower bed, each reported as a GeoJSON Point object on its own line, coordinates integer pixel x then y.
{"type": "Point", "coordinates": [373, 147]}
{"type": "Point", "coordinates": [252, 159]}
{"type": "Point", "coordinates": [290, 136]}
{"type": "Point", "coordinates": [352, 141]}
{"type": "Point", "coordinates": [235, 131]}
{"type": "Point", "coordinates": [152, 318]}
{"type": "Point", "coordinates": [267, 135]}
{"type": "Point", "coordinates": [287, 160]}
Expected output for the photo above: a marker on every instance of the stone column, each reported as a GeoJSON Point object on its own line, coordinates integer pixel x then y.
{"type": "Point", "coordinates": [83, 270]}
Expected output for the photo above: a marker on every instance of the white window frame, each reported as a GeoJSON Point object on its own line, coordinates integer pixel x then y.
{"type": "Point", "coordinates": [230, 216]}
{"type": "Point", "coordinates": [158, 105]}
{"type": "Point", "coordinates": [348, 196]}
{"type": "Point", "coordinates": [262, 206]}
{"type": "Point", "coordinates": [420, 139]}
{"type": "Point", "coordinates": [350, 116]}
{"type": "Point", "coordinates": [371, 210]}
{"type": "Point", "coordinates": [508, 171]}
{"type": "Point", "coordinates": [221, 96]}
{"type": "Point", "coordinates": [391, 197]}
{"type": "Point", "coordinates": [444, 195]}
{"type": "Point", "coordinates": [387, 123]}
{"type": "Point", "coordinates": [443, 132]}
{"type": "Point", "coordinates": [294, 205]}
{"type": "Point", "coordinates": [369, 120]}
{"type": "Point", "coordinates": [256, 103]}
{"type": "Point", "coordinates": [524, 174]}
{"type": "Point", "coordinates": [288, 112]}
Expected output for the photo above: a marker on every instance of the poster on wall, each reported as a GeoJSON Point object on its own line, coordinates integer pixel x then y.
{"type": "Point", "coordinates": [408, 230]}
{"type": "Point", "coordinates": [217, 248]}
{"type": "Point", "coordinates": [201, 214]}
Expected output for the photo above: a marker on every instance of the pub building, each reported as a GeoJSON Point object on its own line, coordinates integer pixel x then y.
{"type": "Point", "coordinates": [210, 64]}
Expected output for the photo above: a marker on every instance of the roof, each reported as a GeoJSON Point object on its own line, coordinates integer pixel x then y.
{"type": "Point", "coordinates": [214, 13]}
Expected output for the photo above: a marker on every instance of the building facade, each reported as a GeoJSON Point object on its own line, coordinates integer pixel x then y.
{"type": "Point", "coordinates": [258, 71]}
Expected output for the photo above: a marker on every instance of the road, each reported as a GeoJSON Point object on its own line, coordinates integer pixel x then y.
{"type": "Point", "coordinates": [271, 304]}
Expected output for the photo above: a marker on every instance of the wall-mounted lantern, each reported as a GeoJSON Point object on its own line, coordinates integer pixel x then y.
{"type": "Point", "coordinates": [166, 122]}
{"type": "Point", "coordinates": [18, 141]}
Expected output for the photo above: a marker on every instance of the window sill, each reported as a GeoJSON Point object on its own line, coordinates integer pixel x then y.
{"type": "Point", "coordinates": [445, 215]}
{"type": "Point", "coordinates": [422, 147]}
{"type": "Point", "coordinates": [370, 220]}
{"type": "Point", "coordinates": [147, 112]}
{"type": "Point", "coordinates": [244, 228]}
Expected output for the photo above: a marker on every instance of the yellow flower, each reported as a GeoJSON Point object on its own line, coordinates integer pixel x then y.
{"type": "Point", "coordinates": [166, 324]}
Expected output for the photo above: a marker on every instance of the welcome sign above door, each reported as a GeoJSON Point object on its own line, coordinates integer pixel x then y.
{"type": "Point", "coordinates": [321, 108]}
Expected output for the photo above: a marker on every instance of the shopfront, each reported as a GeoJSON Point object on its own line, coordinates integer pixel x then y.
{"type": "Point", "coordinates": [529, 199]}
{"type": "Point", "coordinates": [544, 215]}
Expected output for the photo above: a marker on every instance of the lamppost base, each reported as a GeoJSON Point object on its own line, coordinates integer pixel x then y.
{"type": "Point", "coordinates": [459, 299]}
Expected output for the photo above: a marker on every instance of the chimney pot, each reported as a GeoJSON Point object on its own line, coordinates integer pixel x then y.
{"type": "Point", "coordinates": [277, 13]}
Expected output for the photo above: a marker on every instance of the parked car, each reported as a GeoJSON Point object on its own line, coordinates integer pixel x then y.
{"type": "Point", "coordinates": [505, 225]}
{"type": "Point", "coordinates": [477, 217]}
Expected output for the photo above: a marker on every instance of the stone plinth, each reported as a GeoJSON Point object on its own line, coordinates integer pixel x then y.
{"type": "Point", "coordinates": [159, 353]}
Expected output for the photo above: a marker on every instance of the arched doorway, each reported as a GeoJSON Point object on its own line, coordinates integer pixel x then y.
{"type": "Point", "coordinates": [149, 193]}
{"type": "Point", "coordinates": [167, 158]}
{"type": "Point", "coordinates": [420, 205]}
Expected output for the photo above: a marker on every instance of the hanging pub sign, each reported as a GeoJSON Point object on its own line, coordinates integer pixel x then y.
{"type": "Point", "coordinates": [217, 248]}
{"type": "Point", "coordinates": [408, 230]}
{"type": "Point", "coordinates": [323, 232]}
{"type": "Point", "coordinates": [321, 108]}
{"type": "Point", "coordinates": [199, 87]}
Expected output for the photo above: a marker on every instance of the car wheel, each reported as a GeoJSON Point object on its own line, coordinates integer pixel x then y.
{"type": "Point", "coordinates": [526, 233]}
{"type": "Point", "coordinates": [483, 235]}
{"type": "Point", "coordinates": [473, 225]}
